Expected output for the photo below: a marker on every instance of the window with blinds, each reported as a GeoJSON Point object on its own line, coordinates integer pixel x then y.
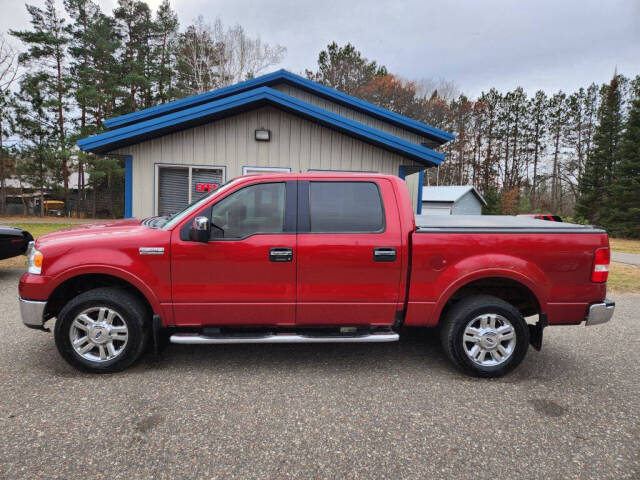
{"type": "Point", "coordinates": [178, 186]}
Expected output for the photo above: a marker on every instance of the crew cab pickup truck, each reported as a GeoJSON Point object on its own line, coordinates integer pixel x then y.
{"type": "Point", "coordinates": [313, 258]}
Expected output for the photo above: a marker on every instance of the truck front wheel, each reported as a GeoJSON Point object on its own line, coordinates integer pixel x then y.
{"type": "Point", "coordinates": [484, 336]}
{"type": "Point", "coordinates": [101, 330]}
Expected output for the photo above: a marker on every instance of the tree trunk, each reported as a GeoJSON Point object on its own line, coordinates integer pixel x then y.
{"type": "Point", "coordinates": [536, 152]}
{"type": "Point", "coordinates": [485, 180]}
{"type": "Point", "coordinates": [505, 178]}
{"type": "Point", "coordinates": [65, 171]}
{"type": "Point", "coordinates": [162, 66]}
{"type": "Point", "coordinates": [93, 212]}
{"type": "Point", "coordinates": [110, 195]}
{"type": "Point", "coordinates": [3, 192]}
{"type": "Point", "coordinates": [554, 179]}
{"type": "Point", "coordinates": [80, 185]}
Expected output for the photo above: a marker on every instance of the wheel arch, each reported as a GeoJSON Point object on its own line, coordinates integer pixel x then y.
{"type": "Point", "coordinates": [509, 286]}
{"type": "Point", "coordinates": [74, 284]}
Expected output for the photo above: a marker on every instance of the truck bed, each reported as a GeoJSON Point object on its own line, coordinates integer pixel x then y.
{"type": "Point", "coordinates": [496, 224]}
{"type": "Point", "coordinates": [553, 260]}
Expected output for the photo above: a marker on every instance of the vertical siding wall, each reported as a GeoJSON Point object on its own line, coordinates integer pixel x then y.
{"type": "Point", "coordinates": [229, 143]}
{"type": "Point", "coordinates": [413, 184]}
{"type": "Point", "coordinates": [468, 204]}
{"type": "Point", "coordinates": [350, 113]}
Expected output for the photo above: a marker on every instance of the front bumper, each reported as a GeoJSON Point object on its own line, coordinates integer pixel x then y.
{"type": "Point", "coordinates": [32, 313]}
{"type": "Point", "coordinates": [600, 312]}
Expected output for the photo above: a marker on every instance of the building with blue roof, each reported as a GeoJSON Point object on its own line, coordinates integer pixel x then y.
{"type": "Point", "coordinates": [280, 122]}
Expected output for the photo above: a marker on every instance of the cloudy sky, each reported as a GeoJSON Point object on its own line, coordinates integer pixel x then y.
{"type": "Point", "coordinates": [548, 44]}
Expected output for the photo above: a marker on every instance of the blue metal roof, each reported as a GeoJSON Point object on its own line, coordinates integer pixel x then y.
{"type": "Point", "coordinates": [283, 76]}
{"type": "Point", "coordinates": [190, 117]}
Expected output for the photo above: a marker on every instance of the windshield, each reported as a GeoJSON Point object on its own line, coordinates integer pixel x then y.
{"type": "Point", "coordinates": [177, 217]}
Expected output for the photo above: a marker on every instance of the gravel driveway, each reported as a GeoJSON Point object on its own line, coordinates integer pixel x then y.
{"type": "Point", "coordinates": [323, 411]}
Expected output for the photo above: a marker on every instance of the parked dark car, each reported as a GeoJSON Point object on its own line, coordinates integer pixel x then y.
{"type": "Point", "coordinates": [13, 241]}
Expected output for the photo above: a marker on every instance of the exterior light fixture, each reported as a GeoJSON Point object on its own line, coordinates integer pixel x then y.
{"type": "Point", "coordinates": [263, 135]}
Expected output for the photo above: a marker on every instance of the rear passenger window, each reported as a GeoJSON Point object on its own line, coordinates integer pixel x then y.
{"type": "Point", "coordinates": [345, 207]}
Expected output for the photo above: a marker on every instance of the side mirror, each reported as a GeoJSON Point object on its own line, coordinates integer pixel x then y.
{"type": "Point", "coordinates": [201, 229]}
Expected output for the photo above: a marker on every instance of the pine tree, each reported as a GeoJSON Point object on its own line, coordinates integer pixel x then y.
{"type": "Point", "coordinates": [83, 14]}
{"type": "Point", "coordinates": [623, 205]}
{"type": "Point", "coordinates": [134, 27]}
{"type": "Point", "coordinates": [594, 183]}
{"type": "Point", "coordinates": [491, 102]}
{"type": "Point", "coordinates": [165, 28]}
{"type": "Point", "coordinates": [520, 120]}
{"type": "Point", "coordinates": [538, 110]}
{"type": "Point", "coordinates": [104, 91]}
{"type": "Point", "coordinates": [105, 87]}
{"type": "Point", "coordinates": [590, 117]}
{"type": "Point", "coordinates": [36, 123]}
{"type": "Point", "coordinates": [492, 197]}
{"type": "Point", "coordinates": [345, 69]}
{"type": "Point", "coordinates": [557, 124]}
{"type": "Point", "coordinates": [47, 43]}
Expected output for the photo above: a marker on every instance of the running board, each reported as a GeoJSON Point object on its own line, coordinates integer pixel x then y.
{"type": "Point", "coordinates": [190, 338]}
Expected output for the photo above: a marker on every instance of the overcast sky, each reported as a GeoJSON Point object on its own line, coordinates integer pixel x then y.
{"type": "Point", "coordinates": [478, 44]}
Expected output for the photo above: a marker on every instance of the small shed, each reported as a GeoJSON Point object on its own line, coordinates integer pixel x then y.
{"type": "Point", "coordinates": [452, 200]}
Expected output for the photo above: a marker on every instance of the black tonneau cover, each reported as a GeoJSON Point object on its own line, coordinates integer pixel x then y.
{"type": "Point", "coordinates": [496, 224]}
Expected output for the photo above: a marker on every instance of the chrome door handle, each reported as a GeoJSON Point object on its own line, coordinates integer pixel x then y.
{"type": "Point", "coordinates": [280, 254]}
{"type": "Point", "coordinates": [384, 254]}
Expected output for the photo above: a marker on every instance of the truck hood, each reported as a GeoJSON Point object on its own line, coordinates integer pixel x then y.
{"type": "Point", "coordinates": [91, 231]}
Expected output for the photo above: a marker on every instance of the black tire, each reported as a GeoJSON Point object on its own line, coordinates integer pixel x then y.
{"type": "Point", "coordinates": [131, 311]}
{"type": "Point", "coordinates": [457, 319]}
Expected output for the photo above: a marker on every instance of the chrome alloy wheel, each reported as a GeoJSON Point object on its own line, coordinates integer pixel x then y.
{"type": "Point", "coordinates": [98, 334]}
{"type": "Point", "coordinates": [489, 340]}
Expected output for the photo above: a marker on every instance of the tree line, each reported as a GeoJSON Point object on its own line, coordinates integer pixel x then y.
{"type": "Point", "coordinates": [570, 153]}
{"type": "Point", "coordinates": [574, 154]}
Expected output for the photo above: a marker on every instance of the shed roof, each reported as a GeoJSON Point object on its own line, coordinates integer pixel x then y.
{"type": "Point", "coordinates": [449, 193]}
{"type": "Point", "coordinates": [282, 76]}
{"type": "Point", "coordinates": [254, 98]}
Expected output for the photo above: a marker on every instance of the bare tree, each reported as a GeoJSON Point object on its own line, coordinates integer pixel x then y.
{"type": "Point", "coordinates": [242, 56]}
{"type": "Point", "coordinates": [198, 59]}
{"type": "Point", "coordinates": [8, 74]}
{"type": "Point", "coordinates": [442, 88]}
{"type": "Point", "coordinates": [211, 56]}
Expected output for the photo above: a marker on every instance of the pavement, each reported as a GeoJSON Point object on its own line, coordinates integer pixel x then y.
{"type": "Point", "coordinates": [323, 411]}
{"type": "Point", "coordinates": [628, 258]}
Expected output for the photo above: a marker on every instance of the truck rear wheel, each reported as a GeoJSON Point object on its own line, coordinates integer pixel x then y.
{"type": "Point", "coordinates": [101, 330]}
{"type": "Point", "coordinates": [484, 336]}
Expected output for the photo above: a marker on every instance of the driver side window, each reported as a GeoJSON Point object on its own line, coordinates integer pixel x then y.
{"type": "Point", "coordinates": [252, 210]}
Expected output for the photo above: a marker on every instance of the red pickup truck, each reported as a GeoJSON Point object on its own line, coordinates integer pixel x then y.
{"type": "Point", "coordinates": [313, 258]}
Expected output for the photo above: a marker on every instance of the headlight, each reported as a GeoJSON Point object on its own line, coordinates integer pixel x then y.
{"type": "Point", "coordinates": [34, 259]}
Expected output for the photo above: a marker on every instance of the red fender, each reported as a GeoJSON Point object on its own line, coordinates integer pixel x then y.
{"type": "Point", "coordinates": [98, 269]}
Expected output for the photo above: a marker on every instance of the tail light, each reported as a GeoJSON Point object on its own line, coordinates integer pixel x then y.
{"type": "Point", "coordinates": [601, 261]}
